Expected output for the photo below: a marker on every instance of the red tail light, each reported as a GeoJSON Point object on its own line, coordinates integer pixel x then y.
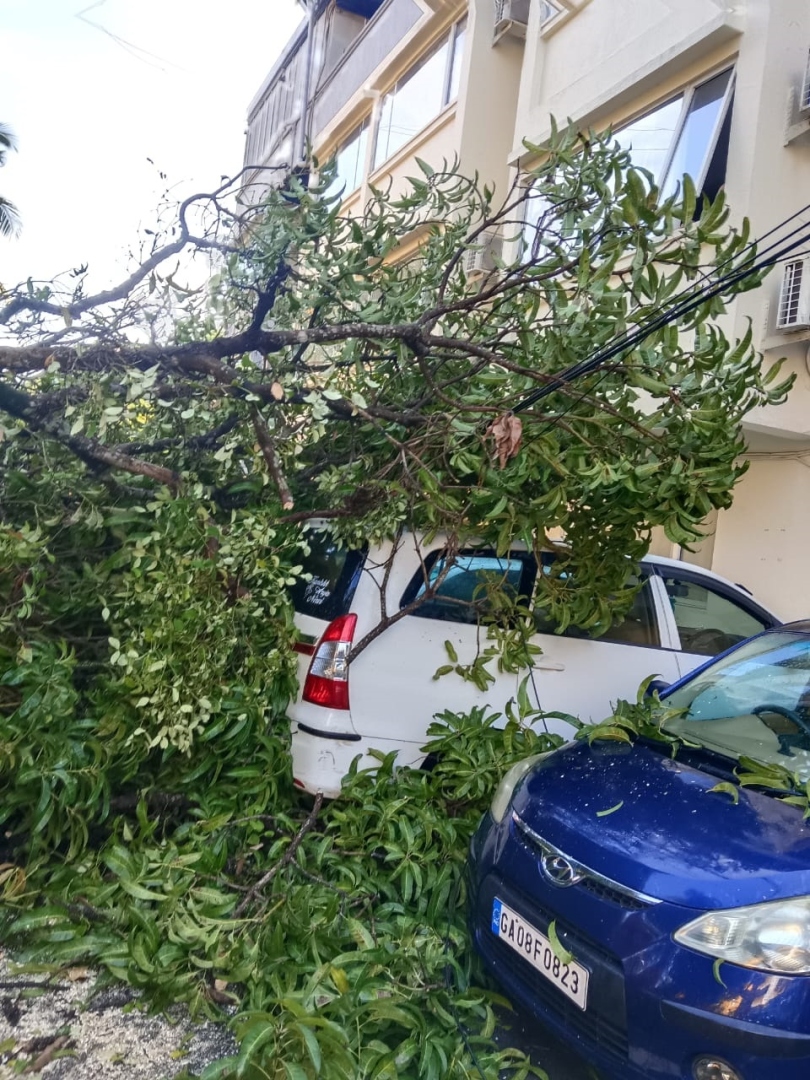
{"type": "Point", "coordinates": [327, 681]}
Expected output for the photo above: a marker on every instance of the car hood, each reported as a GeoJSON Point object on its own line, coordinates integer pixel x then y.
{"type": "Point", "coordinates": [651, 822]}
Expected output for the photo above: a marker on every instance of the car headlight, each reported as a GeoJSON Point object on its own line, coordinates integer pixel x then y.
{"type": "Point", "coordinates": [768, 937]}
{"type": "Point", "coordinates": [506, 789]}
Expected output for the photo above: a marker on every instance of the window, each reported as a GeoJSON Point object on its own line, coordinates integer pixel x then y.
{"type": "Point", "coordinates": [420, 95]}
{"type": "Point", "coordinates": [548, 10]}
{"type": "Point", "coordinates": [686, 135]}
{"type": "Point", "coordinates": [350, 162]}
{"type": "Point", "coordinates": [334, 573]}
{"type": "Point", "coordinates": [708, 622]}
{"type": "Point", "coordinates": [462, 594]}
{"type": "Point", "coordinates": [546, 229]}
{"type": "Point", "coordinates": [638, 627]}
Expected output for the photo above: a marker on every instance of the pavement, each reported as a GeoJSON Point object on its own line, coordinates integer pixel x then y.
{"type": "Point", "coordinates": [64, 1029]}
{"type": "Point", "coordinates": [521, 1030]}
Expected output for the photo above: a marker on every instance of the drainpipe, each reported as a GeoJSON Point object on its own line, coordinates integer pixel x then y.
{"type": "Point", "coordinates": [300, 151]}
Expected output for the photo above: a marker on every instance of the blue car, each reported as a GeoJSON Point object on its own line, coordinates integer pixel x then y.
{"type": "Point", "coordinates": [661, 927]}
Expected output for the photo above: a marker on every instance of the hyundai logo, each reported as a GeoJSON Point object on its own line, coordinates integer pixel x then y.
{"type": "Point", "coordinates": [560, 871]}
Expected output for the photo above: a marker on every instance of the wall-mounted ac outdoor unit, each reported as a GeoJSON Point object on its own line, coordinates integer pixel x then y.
{"type": "Point", "coordinates": [481, 259]}
{"type": "Point", "coordinates": [511, 17]}
{"type": "Point", "coordinates": [804, 92]}
{"type": "Point", "coordinates": [793, 312]}
{"type": "Point", "coordinates": [797, 127]}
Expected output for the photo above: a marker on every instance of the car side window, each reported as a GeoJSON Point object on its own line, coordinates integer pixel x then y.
{"type": "Point", "coordinates": [638, 627]}
{"type": "Point", "coordinates": [708, 622]}
{"type": "Point", "coordinates": [461, 589]}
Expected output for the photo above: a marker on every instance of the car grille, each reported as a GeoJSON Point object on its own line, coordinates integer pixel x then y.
{"type": "Point", "coordinates": [604, 1023]}
{"type": "Point", "coordinates": [596, 884]}
{"type": "Point", "coordinates": [615, 896]}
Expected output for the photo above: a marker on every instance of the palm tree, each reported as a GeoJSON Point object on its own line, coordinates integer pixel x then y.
{"type": "Point", "coordinates": [9, 215]}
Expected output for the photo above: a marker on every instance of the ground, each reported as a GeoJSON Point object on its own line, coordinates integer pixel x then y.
{"type": "Point", "coordinates": [60, 1029]}
{"type": "Point", "coordinates": [65, 1030]}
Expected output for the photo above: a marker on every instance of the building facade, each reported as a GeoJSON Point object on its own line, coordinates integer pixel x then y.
{"type": "Point", "coordinates": [716, 89]}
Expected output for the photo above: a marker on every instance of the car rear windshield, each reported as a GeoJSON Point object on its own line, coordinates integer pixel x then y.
{"type": "Point", "coordinates": [332, 576]}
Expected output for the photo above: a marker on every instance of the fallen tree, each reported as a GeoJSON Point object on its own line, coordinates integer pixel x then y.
{"type": "Point", "coordinates": [441, 366]}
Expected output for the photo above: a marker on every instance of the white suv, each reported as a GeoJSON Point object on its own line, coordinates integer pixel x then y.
{"type": "Point", "coordinates": [385, 699]}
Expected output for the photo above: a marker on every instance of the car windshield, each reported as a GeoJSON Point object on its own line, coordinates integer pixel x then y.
{"type": "Point", "coordinates": [753, 703]}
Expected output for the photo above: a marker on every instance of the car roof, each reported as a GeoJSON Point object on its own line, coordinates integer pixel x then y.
{"type": "Point", "coordinates": [800, 626]}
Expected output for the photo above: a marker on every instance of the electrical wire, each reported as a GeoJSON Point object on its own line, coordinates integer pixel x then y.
{"type": "Point", "coordinates": [690, 299]}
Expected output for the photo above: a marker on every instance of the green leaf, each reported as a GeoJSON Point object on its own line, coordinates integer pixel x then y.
{"type": "Point", "coordinates": [611, 810]}
{"type": "Point", "coordinates": [727, 789]}
{"type": "Point", "coordinates": [313, 1049]}
{"type": "Point", "coordinates": [559, 950]}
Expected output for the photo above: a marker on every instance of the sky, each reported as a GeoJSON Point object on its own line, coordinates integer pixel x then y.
{"type": "Point", "coordinates": [94, 89]}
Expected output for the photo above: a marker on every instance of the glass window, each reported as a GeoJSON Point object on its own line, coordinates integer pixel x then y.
{"type": "Point", "coordinates": [420, 95]}
{"type": "Point", "coordinates": [638, 627]}
{"type": "Point", "coordinates": [333, 574]}
{"type": "Point", "coordinates": [548, 11]}
{"type": "Point", "coordinates": [455, 62]}
{"type": "Point", "coordinates": [462, 593]}
{"type": "Point", "coordinates": [681, 136]}
{"type": "Point", "coordinates": [649, 138]}
{"type": "Point", "coordinates": [698, 134]}
{"type": "Point", "coordinates": [350, 162]}
{"type": "Point", "coordinates": [546, 228]}
{"type": "Point", "coordinates": [708, 623]}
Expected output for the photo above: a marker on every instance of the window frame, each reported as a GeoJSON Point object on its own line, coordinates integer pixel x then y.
{"type": "Point", "coordinates": [687, 95]}
{"type": "Point", "coordinates": [355, 134]}
{"type": "Point", "coordinates": [448, 40]}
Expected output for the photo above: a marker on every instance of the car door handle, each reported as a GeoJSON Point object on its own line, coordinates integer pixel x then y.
{"type": "Point", "coordinates": [549, 665]}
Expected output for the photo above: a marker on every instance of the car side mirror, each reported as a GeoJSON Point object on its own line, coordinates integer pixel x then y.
{"type": "Point", "coordinates": [657, 684]}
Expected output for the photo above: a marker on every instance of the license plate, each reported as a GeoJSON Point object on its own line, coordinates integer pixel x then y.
{"type": "Point", "coordinates": [535, 947]}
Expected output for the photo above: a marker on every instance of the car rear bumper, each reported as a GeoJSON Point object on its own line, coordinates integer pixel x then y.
{"type": "Point", "coordinates": [321, 760]}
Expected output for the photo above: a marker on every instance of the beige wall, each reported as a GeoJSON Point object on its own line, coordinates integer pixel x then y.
{"type": "Point", "coordinates": [488, 98]}
{"type": "Point", "coordinates": [615, 57]}
{"type": "Point", "coordinates": [762, 540]}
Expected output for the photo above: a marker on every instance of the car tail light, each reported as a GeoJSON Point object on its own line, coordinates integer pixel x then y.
{"type": "Point", "coordinates": [327, 681]}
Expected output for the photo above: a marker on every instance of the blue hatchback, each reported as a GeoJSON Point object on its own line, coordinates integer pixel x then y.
{"type": "Point", "coordinates": [660, 926]}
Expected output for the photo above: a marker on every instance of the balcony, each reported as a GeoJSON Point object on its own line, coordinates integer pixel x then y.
{"type": "Point", "coordinates": [351, 39]}
{"type": "Point", "coordinates": [381, 37]}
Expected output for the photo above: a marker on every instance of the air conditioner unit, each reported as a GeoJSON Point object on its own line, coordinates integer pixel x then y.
{"type": "Point", "coordinates": [511, 17]}
{"type": "Point", "coordinates": [481, 259]}
{"type": "Point", "coordinates": [794, 299]}
{"type": "Point", "coordinates": [797, 125]}
{"type": "Point", "coordinates": [804, 92]}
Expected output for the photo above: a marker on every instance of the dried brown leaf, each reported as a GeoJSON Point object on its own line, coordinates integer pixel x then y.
{"type": "Point", "coordinates": [507, 431]}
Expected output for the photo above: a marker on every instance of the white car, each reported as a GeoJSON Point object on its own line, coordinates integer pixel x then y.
{"type": "Point", "coordinates": [386, 697]}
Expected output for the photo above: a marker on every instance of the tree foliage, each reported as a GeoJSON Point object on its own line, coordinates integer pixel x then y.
{"type": "Point", "coordinates": [161, 444]}
{"type": "Point", "coordinates": [338, 368]}
{"type": "Point", "coordinates": [9, 215]}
